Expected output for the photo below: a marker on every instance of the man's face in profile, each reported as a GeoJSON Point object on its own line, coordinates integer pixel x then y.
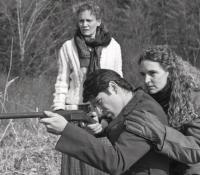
{"type": "Point", "coordinates": [108, 103]}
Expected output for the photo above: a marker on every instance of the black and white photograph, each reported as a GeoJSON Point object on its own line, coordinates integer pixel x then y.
{"type": "Point", "coordinates": [99, 87]}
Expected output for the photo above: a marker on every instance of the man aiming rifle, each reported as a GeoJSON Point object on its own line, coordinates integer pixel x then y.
{"type": "Point", "coordinates": [130, 153]}
{"type": "Point", "coordinates": [79, 117]}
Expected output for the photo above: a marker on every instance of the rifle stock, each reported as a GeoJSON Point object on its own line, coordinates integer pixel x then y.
{"type": "Point", "coordinates": [69, 115]}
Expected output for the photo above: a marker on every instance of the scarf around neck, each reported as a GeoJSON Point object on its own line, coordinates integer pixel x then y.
{"type": "Point", "coordinates": [90, 58]}
{"type": "Point", "coordinates": [163, 97]}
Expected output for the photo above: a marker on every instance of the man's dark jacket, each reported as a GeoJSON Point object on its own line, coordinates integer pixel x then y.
{"type": "Point", "coordinates": [129, 153]}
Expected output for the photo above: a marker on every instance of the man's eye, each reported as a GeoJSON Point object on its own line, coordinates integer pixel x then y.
{"type": "Point", "coordinates": [94, 105]}
{"type": "Point", "coordinates": [152, 74]}
{"type": "Point", "coordinates": [142, 74]}
{"type": "Point", "coordinates": [99, 102]}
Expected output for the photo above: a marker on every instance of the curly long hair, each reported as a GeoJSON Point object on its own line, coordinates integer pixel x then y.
{"type": "Point", "coordinates": [184, 79]}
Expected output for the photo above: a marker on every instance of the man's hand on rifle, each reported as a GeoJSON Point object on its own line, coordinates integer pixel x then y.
{"type": "Point", "coordinates": [55, 123]}
{"type": "Point", "coordinates": [96, 127]}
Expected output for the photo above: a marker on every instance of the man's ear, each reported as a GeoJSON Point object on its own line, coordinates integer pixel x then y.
{"type": "Point", "coordinates": [113, 87]}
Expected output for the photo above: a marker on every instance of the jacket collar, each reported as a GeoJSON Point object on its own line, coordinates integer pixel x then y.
{"type": "Point", "coordinates": [137, 93]}
{"type": "Point", "coordinates": [133, 102]}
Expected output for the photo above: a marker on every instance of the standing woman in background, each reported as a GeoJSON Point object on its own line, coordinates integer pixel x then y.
{"type": "Point", "coordinates": [91, 48]}
{"type": "Point", "coordinates": [175, 85]}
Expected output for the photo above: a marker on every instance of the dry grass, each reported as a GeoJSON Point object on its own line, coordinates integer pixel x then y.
{"type": "Point", "coordinates": [26, 147]}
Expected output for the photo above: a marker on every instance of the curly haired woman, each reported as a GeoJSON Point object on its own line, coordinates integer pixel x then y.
{"type": "Point", "coordinates": [175, 85]}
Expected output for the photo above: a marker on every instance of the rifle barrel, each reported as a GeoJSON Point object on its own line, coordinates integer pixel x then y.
{"type": "Point", "coordinates": [22, 115]}
{"type": "Point", "coordinates": [70, 115]}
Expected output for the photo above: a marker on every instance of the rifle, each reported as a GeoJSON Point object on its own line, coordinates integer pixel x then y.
{"type": "Point", "coordinates": [75, 116]}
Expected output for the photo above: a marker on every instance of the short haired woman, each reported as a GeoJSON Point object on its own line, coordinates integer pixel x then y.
{"type": "Point", "coordinates": [91, 48]}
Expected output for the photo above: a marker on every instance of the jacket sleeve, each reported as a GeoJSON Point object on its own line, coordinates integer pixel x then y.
{"type": "Point", "coordinates": [62, 81]}
{"type": "Point", "coordinates": [114, 159]}
{"type": "Point", "coordinates": [183, 148]}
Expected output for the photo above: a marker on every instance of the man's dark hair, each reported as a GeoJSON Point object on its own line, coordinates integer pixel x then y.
{"type": "Point", "coordinates": [98, 81]}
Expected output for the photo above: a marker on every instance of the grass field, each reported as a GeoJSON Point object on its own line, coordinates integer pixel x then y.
{"type": "Point", "coordinates": [26, 147]}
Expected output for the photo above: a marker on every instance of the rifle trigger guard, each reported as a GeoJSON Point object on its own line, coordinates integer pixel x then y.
{"type": "Point", "coordinates": [82, 124]}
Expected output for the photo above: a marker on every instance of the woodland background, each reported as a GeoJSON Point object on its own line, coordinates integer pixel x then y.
{"type": "Point", "coordinates": [32, 31]}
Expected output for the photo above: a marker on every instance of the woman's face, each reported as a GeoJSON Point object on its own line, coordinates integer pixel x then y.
{"type": "Point", "coordinates": [154, 76]}
{"type": "Point", "coordinates": [88, 23]}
